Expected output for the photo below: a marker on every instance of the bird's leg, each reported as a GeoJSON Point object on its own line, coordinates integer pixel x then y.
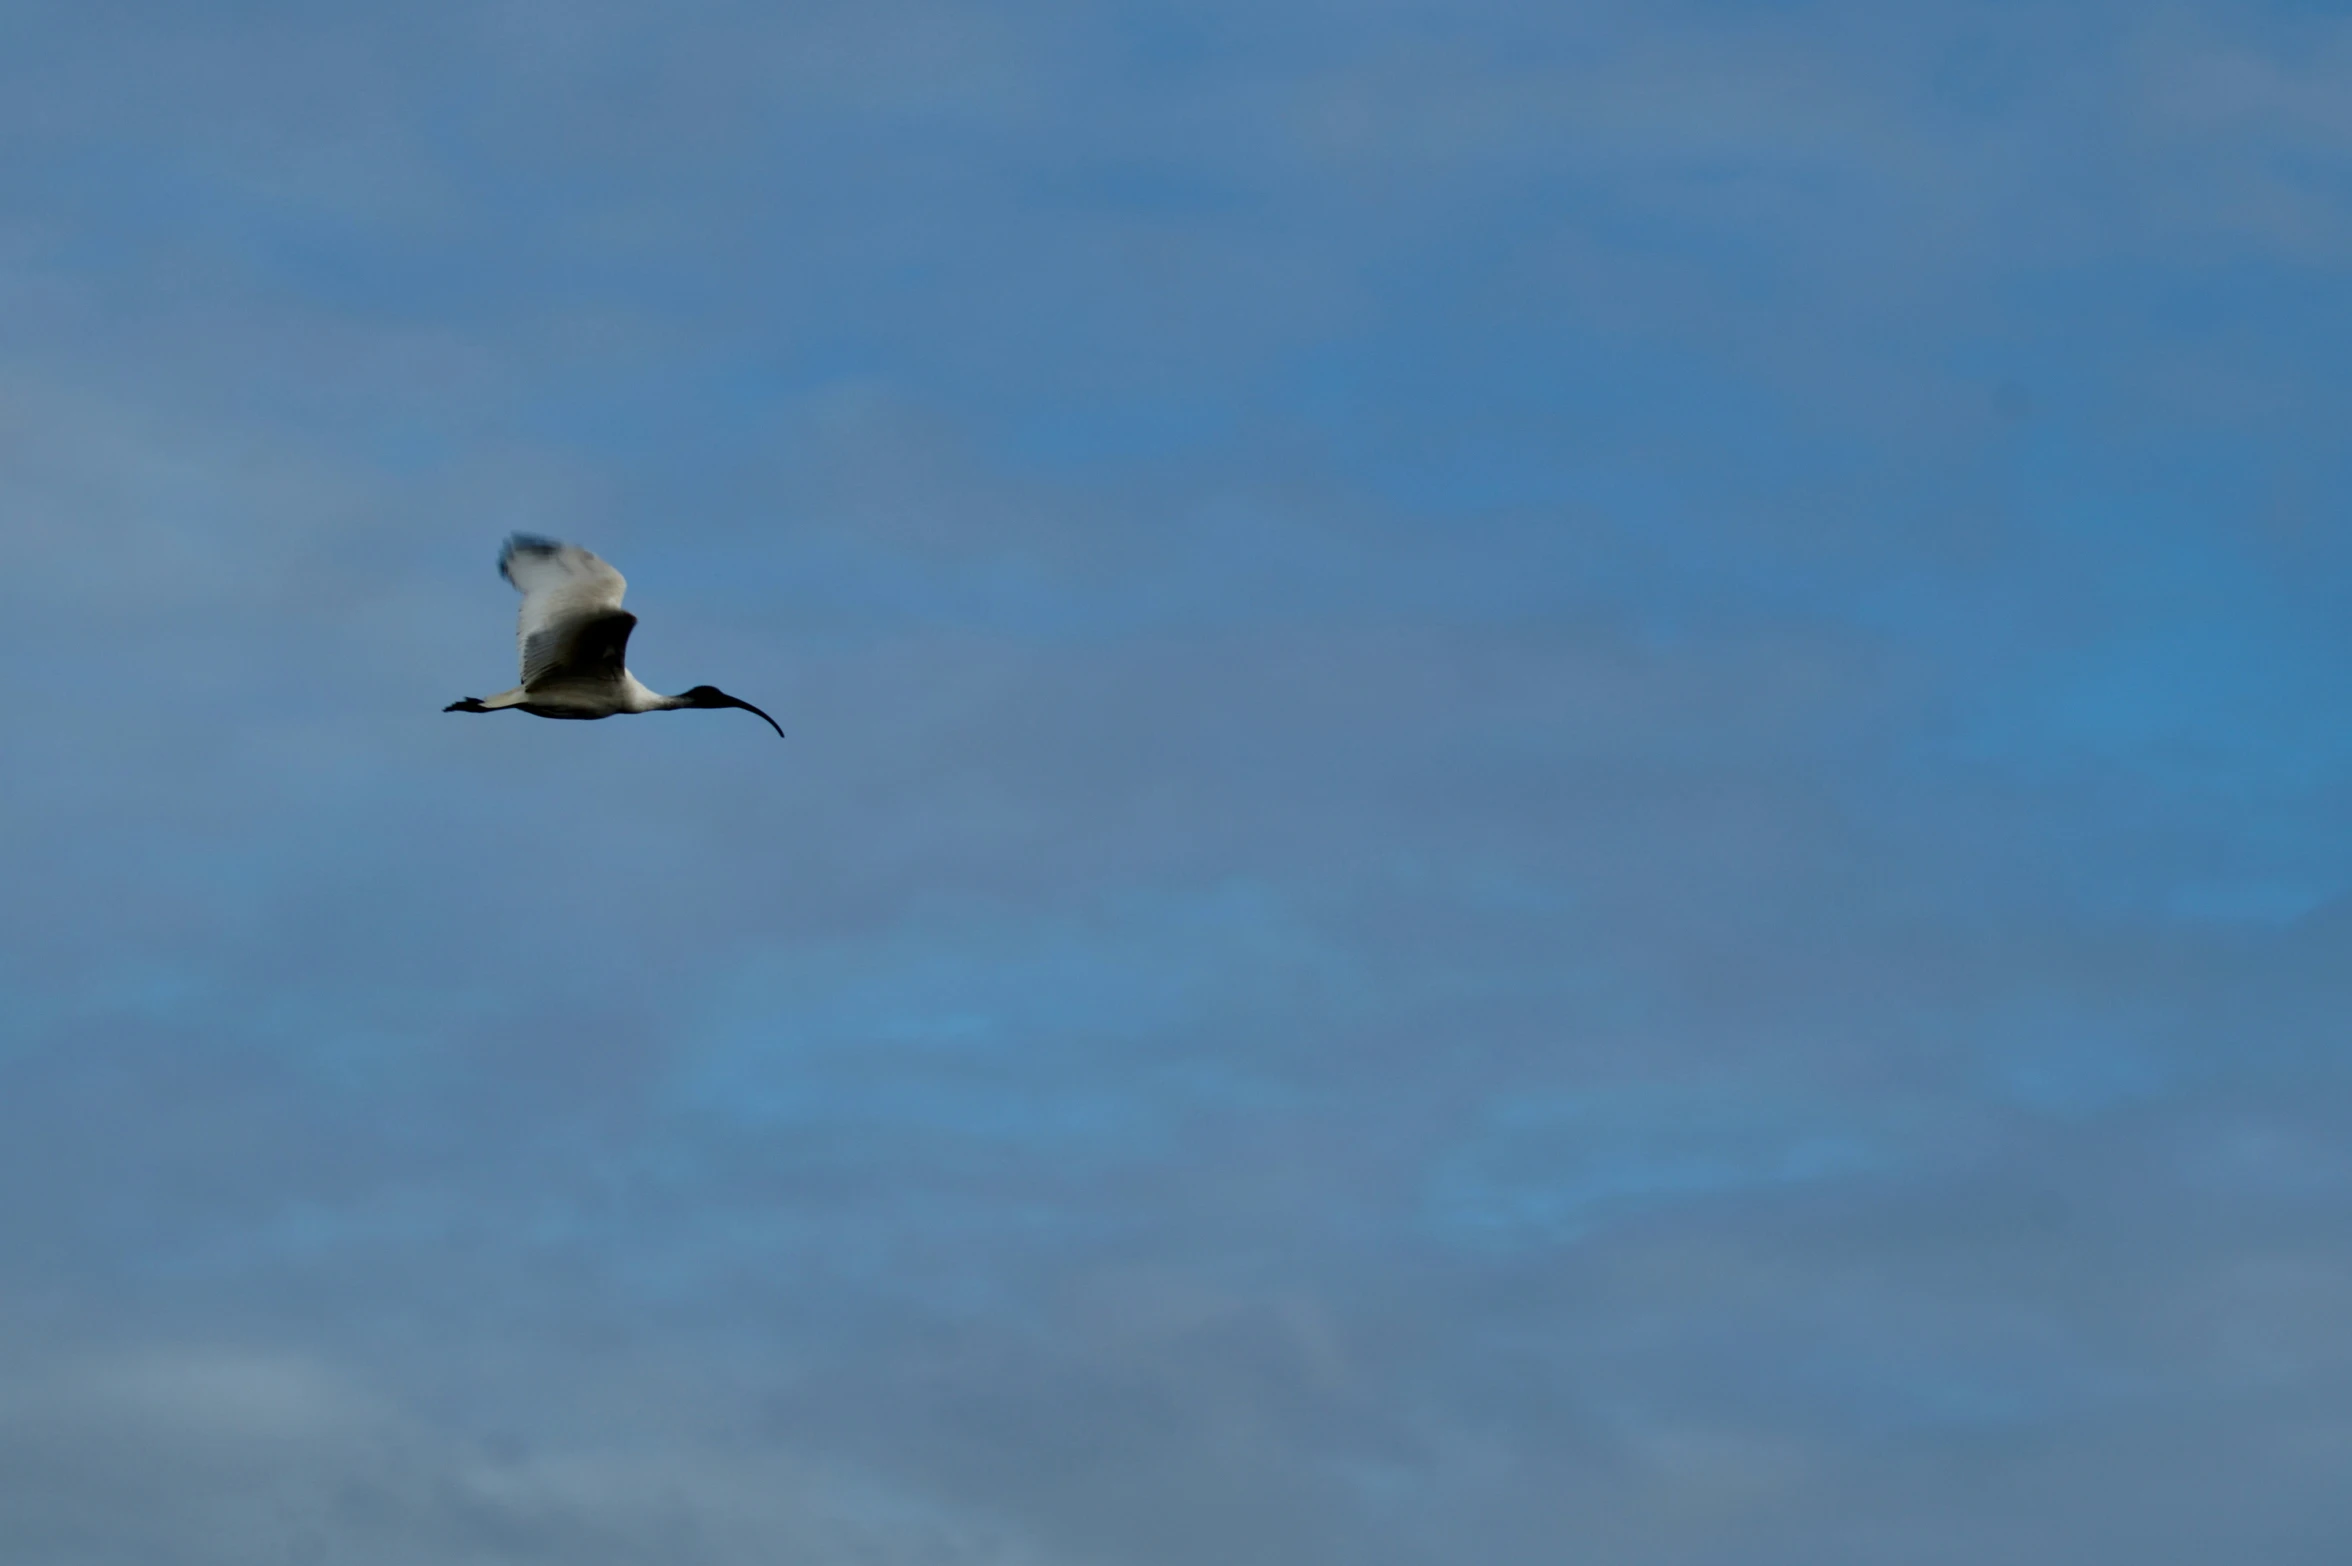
{"type": "Point", "coordinates": [469, 704]}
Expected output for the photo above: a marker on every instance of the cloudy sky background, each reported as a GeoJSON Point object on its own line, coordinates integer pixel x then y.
{"type": "Point", "coordinates": [1568, 782]}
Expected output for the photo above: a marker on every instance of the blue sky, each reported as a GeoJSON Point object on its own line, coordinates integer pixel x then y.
{"type": "Point", "coordinates": [1567, 782]}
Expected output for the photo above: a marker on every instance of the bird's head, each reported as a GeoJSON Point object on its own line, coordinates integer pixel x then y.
{"type": "Point", "coordinates": [712, 696]}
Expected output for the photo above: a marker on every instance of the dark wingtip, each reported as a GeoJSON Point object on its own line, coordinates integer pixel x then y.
{"type": "Point", "coordinates": [524, 544]}
{"type": "Point", "coordinates": [466, 704]}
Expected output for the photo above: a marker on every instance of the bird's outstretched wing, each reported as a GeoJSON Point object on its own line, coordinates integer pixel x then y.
{"type": "Point", "coordinates": [572, 626]}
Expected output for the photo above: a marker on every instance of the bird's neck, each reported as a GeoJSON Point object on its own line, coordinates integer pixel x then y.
{"type": "Point", "coordinates": [635, 697]}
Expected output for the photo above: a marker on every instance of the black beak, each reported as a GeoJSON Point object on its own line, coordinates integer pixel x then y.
{"type": "Point", "coordinates": [737, 701]}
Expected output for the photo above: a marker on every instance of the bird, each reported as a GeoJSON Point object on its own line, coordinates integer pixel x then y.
{"type": "Point", "coordinates": [574, 636]}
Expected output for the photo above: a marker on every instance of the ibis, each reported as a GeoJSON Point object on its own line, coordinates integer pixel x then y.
{"type": "Point", "coordinates": [575, 640]}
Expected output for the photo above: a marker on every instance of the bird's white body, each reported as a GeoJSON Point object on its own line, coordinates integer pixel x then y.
{"type": "Point", "coordinates": [605, 699]}
{"type": "Point", "coordinates": [573, 635]}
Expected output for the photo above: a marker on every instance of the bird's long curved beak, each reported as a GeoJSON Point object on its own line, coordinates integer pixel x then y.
{"type": "Point", "coordinates": [737, 701]}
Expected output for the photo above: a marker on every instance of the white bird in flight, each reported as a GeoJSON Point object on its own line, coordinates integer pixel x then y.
{"type": "Point", "coordinates": [575, 636]}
